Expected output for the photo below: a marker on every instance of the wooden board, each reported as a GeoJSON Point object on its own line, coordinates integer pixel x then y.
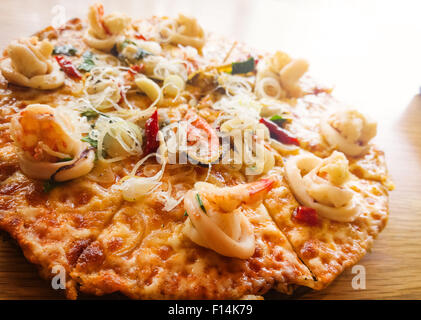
{"type": "Point", "coordinates": [374, 64]}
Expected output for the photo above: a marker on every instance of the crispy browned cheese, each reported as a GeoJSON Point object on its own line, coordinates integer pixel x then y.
{"type": "Point", "coordinates": [330, 247]}
{"type": "Point", "coordinates": [107, 244]}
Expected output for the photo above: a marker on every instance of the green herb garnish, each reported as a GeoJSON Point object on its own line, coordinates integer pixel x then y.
{"type": "Point", "coordinates": [142, 54]}
{"type": "Point", "coordinates": [279, 120]}
{"type": "Point", "coordinates": [125, 43]}
{"type": "Point", "coordinates": [90, 114]}
{"type": "Point", "coordinates": [49, 185]}
{"type": "Point", "coordinates": [185, 213]}
{"type": "Point", "coordinates": [243, 67]}
{"type": "Point", "coordinates": [92, 142]}
{"type": "Point", "coordinates": [67, 50]}
{"type": "Point", "coordinates": [200, 203]}
{"type": "Point", "coordinates": [88, 62]}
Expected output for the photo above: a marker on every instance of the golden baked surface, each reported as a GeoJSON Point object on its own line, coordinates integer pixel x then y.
{"type": "Point", "coordinates": [281, 186]}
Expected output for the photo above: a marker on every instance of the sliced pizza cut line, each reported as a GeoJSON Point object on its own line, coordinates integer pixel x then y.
{"type": "Point", "coordinates": [329, 247]}
{"type": "Point", "coordinates": [166, 263]}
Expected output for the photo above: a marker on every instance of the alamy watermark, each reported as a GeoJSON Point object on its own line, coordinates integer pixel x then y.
{"type": "Point", "coordinates": [184, 144]}
{"type": "Point", "coordinates": [59, 16]}
{"type": "Point", "coordinates": [359, 280]}
{"type": "Point", "coordinates": [59, 279]}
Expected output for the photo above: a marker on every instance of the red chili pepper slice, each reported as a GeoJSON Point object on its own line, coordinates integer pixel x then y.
{"type": "Point", "coordinates": [151, 133]}
{"type": "Point", "coordinates": [140, 36]}
{"type": "Point", "coordinates": [279, 134]}
{"type": "Point", "coordinates": [318, 90]}
{"type": "Point", "coordinates": [122, 94]}
{"type": "Point", "coordinates": [68, 67]}
{"type": "Point", "coordinates": [135, 69]}
{"type": "Point", "coordinates": [306, 215]}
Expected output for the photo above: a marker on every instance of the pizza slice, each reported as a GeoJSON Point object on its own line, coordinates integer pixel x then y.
{"type": "Point", "coordinates": [54, 227]}
{"type": "Point", "coordinates": [331, 226]}
{"type": "Point", "coordinates": [157, 255]}
{"type": "Point", "coordinates": [322, 124]}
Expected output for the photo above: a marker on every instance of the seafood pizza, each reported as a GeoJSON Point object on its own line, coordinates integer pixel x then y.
{"type": "Point", "coordinates": [151, 158]}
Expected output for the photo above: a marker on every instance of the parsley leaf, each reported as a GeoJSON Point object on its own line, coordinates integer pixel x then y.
{"type": "Point", "coordinates": [279, 120]}
{"type": "Point", "coordinates": [92, 142]}
{"type": "Point", "coordinates": [243, 67]}
{"type": "Point", "coordinates": [49, 185]}
{"type": "Point", "coordinates": [185, 213]}
{"type": "Point", "coordinates": [277, 117]}
{"type": "Point", "coordinates": [125, 43]}
{"type": "Point", "coordinates": [88, 62]}
{"type": "Point", "coordinates": [200, 203]}
{"type": "Point", "coordinates": [90, 114]}
{"type": "Point", "coordinates": [142, 54]}
{"type": "Point", "coordinates": [67, 50]}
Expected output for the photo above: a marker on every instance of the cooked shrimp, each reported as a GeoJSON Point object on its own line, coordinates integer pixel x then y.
{"type": "Point", "coordinates": [216, 216]}
{"type": "Point", "coordinates": [103, 30]}
{"type": "Point", "coordinates": [50, 144]}
{"type": "Point", "coordinates": [96, 21]}
{"type": "Point", "coordinates": [202, 139]}
{"type": "Point", "coordinates": [42, 135]}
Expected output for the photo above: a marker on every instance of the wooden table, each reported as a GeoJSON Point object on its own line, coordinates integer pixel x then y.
{"type": "Point", "coordinates": [370, 50]}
